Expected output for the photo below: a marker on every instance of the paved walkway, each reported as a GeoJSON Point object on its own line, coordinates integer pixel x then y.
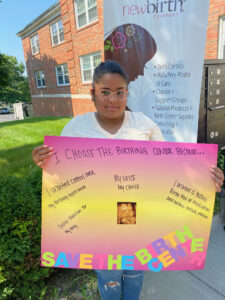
{"type": "Point", "coordinates": [7, 117]}
{"type": "Point", "coordinates": [206, 284]}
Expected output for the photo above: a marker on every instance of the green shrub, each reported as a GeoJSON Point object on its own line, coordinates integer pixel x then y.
{"type": "Point", "coordinates": [21, 276]}
{"type": "Point", "coordinates": [220, 164]}
{"type": "Point", "coordinates": [220, 161]}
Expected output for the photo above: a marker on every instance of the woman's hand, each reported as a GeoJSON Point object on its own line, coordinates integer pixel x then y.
{"type": "Point", "coordinates": [218, 176]}
{"type": "Point", "coordinates": [40, 154]}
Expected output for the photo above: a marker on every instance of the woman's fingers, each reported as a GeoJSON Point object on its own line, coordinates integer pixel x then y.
{"type": "Point", "coordinates": [42, 157]}
{"type": "Point", "coordinates": [218, 176]}
{"type": "Point", "coordinates": [40, 154]}
{"type": "Point", "coordinates": [217, 172]}
{"type": "Point", "coordinates": [41, 163]}
{"type": "Point", "coordinates": [44, 153]}
{"type": "Point", "coordinates": [39, 148]}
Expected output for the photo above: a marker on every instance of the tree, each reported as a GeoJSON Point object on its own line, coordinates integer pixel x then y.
{"type": "Point", "coordinates": [13, 84]}
{"type": "Point", "coordinates": [4, 75]}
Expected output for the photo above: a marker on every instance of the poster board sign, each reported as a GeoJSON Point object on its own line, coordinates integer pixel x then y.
{"type": "Point", "coordinates": [121, 204]}
{"type": "Point", "coordinates": [161, 45]}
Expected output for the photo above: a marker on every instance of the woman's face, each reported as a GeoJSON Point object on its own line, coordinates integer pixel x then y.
{"type": "Point", "coordinates": [108, 105]}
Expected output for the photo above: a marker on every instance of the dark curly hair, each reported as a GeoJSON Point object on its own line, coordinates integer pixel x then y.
{"type": "Point", "coordinates": [109, 66]}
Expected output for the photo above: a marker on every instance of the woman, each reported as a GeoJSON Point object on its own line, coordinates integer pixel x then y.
{"type": "Point", "coordinates": [109, 94]}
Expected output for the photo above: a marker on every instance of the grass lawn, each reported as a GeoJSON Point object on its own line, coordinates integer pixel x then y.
{"type": "Point", "coordinates": [18, 138]}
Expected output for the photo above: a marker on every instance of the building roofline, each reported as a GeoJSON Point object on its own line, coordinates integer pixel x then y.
{"type": "Point", "coordinates": [46, 17]}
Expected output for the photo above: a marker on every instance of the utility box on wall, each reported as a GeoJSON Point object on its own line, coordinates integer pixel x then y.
{"type": "Point", "coordinates": [22, 110]}
{"type": "Point", "coordinates": [211, 125]}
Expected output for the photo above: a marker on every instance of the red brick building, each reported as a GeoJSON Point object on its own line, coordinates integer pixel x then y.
{"type": "Point", "coordinates": [61, 48]}
{"type": "Point", "coordinates": [215, 41]}
{"type": "Point", "coordinates": [65, 43]}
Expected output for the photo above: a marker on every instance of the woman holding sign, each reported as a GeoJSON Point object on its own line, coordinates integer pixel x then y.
{"type": "Point", "coordinates": [112, 121]}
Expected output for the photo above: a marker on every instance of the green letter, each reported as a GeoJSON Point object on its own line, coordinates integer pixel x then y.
{"type": "Point", "coordinates": [48, 256]}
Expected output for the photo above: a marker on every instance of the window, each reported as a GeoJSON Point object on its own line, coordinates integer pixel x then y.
{"type": "Point", "coordinates": [88, 64]}
{"type": "Point", "coordinates": [57, 33]}
{"type": "Point", "coordinates": [40, 79]}
{"type": "Point", "coordinates": [34, 41]}
{"type": "Point", "coordinates": [86, 12]}
{"type": "Point", "coordinates": [221, 53]}
{"type": "Point", "coordinates": [62, 75]}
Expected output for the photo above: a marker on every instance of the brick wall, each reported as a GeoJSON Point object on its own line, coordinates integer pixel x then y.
{"type": "Point", "coordinates": [88, 39]}
{"type": "Point", "coordinates": [52, 106]}
{"type": "Point", "coordinates": [78, 42]}
{"type": "Point", "coordinates": [216, 9]}
{"type": "Point", "coordinates": [46, 60]}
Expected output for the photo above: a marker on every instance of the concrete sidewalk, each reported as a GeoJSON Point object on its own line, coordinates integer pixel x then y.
{"type": "Point", "coordinates": [206, 284]}
{"type": "Point", "coordinates": [7, 118]}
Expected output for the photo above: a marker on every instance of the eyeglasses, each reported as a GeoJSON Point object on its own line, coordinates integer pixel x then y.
{"type": "Point", "coordinates": [107, 95]}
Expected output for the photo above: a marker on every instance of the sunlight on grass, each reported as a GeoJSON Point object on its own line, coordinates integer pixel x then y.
{"type": "Point", "coordinates": [17, 139]}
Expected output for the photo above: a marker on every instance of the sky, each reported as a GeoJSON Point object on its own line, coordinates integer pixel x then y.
{"type": "Point", "coordinates": [14, 16]}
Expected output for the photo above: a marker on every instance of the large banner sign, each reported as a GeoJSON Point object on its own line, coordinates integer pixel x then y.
{"type": "Point", "coordinates": [131, 205]}
{"type": "Point", "coordinates": [161, 46]}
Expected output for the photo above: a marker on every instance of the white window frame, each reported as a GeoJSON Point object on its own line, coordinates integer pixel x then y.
{"type": "Point", "coordinates": [35, 38]}
{"type": "Point", "coordinates": [63, 74]}
{"type": "Point", "coordinates": [92, 65]}
{"type": "Point", "coordinates": [58, 32]}
{"type": "Point", "coordinates": [221, 43]}
{"type": "Point", "coordinates": [42, 76]}
{"type": "Point", "coordinates": [86, 14]}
